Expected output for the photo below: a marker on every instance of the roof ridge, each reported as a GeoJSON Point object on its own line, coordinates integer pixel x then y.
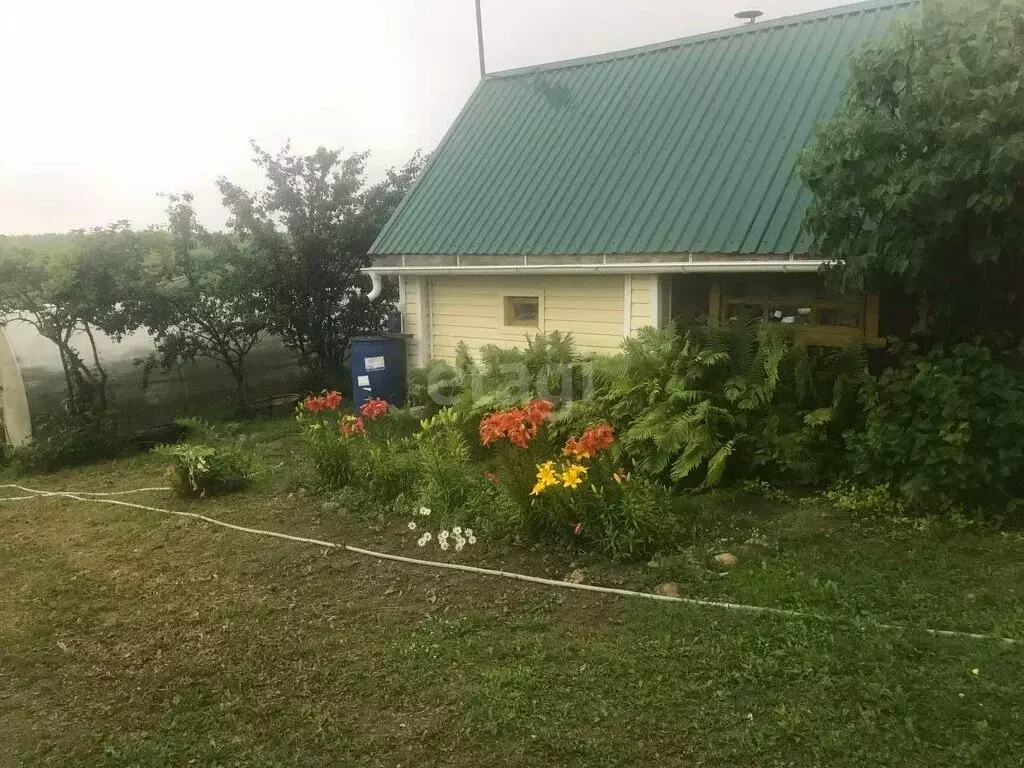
{"type": "Point", "coordinates": [741, 29]}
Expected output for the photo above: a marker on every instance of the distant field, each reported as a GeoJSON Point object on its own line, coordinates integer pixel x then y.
{"type": "Point", "coordinates": [205, 388]}
{"type": "Point", "coordinates": [45, 245]}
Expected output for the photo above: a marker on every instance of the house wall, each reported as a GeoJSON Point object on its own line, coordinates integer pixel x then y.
{"type": "Point", "coordinates": [410, 290]}
{"type": "Point", "coordinates": [439, 312]}
{"type": "Point", "coordinates": [599, 310]}
{"type": "Point", "coordinates": [642, 301]}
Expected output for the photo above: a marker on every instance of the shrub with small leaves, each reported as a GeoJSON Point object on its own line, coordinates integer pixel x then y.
{"type": "Point", "coordinates": [943, 431]}
{"type": "Point", "coordinates": [66, 441]}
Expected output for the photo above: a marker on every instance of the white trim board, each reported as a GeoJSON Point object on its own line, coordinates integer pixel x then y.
{"type": "Point", "coordinates": [682, 267]}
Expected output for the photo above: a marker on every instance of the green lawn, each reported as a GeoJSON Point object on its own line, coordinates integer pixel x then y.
{"type": "Point", "coordinates": [133, 639]}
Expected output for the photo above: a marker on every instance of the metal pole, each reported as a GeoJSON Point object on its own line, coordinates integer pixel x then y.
{"type": "Point", "coordinates": [480, 38]}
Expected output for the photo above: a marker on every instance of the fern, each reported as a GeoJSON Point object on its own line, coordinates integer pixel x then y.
{"type": "Point", "coordinates": [721, 400]}
{"type": "Point", "coordinates": [716, 464]}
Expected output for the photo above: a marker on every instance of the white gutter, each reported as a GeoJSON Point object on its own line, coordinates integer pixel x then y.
{"type": "Point", "coordinates": [693, 267]}
{"type": "Point", "coordinates": [376, 285]}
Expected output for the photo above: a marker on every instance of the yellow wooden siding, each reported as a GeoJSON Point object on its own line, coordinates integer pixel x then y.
{"type": "Point", "coordinates": [411, 318]}
{"type": "Point", "coordinates": [470, 309]}
{"type": "Point", "coordinates": [641, 303]}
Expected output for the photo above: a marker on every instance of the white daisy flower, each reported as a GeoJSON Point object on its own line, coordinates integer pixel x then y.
{"type": "Point", "coordinates": [468, 532]}
{"type": "Point", "coordinates": [459, 544]}
{"type": "Point", "coordinates": [457, 530]}
{"type": "Point", "coordinates": [422, 541]}
{"type": "Point", "coordinates": [425, 512]}
{"type": "Point", "coordinates": [412, 525]}
{"type": "Point", "coordinates": [443, 543]}
{"type": "Point", "coordinates": [442, 536]}
{"type": "Point", "coordinates": [471, 539]}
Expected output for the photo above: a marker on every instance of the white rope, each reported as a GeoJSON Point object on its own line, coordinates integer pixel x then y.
{"type": "Point", "coordinates": [786, 612]}
{"type": "Point", "coordinates": [35, 492]}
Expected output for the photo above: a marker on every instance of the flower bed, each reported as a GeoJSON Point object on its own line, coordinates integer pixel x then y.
{"type": "Point", "coordinates": [524, 477]}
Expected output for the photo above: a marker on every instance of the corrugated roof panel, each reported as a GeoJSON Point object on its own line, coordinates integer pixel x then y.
{"type": "Point", "coordinates": [681, 147]}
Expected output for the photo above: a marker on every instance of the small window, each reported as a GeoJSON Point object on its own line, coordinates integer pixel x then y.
{"type": "Point", "coordinates": [522, 311]}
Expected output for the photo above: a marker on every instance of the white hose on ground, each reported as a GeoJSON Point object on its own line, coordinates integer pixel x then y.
{"type": "Point", "coordinates": [35, 493]}
{"type": "Point", "coordinates": [102, 498]}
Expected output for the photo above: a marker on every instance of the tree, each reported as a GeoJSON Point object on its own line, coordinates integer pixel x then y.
{"type": "Point", "coordinates": [69, 296]}
{"type": "Point", "coordinates": [309, 230]}
{"type": "Point", "coordinates": [199, 302]}
{"type": "Point", "coordinates": [918, 179]}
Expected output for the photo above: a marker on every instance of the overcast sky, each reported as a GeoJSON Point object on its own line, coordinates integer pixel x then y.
{"type": "Point", "coordinates": [107, 103]}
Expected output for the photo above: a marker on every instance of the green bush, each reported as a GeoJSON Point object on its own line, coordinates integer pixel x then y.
{"type": "Point", "coordinates": [944, 430]}
{"type": "Point", "coordinates": [207, 470]}
{"type": "Point", "coordinates": [740, 399]}
{"type": "Point", "coordinates": [372, 453]}
{"type": "Point", "coordinates": [66, 441]}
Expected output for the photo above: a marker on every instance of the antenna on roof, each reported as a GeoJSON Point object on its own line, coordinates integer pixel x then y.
{"type": "Point", "coordinates": [750, 16]}
{"type": "Point", "coordinates": [480, 38]}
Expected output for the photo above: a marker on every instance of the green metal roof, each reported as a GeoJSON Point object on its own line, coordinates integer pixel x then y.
{"type": "Point", "coordinates": [681, 147]}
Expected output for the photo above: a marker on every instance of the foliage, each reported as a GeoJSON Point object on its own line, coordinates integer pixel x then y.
{"type": "Point", "coordinates": [198, 302]}
{"type": "Point", "coordinates": [917, 177]}
{"type": "Point", "coordinates": [741, 398]}
{"type": "Point", "coordinates": [645, 520]}
{"type": "Point", "coordinates": [310, 230]}
{"type": "Point", "coordinates": [372, 452]}
{"type": "Point", "coordinates": [206, 470]}
{"type": "Point", "coordinates": [437, 384]}
{"type": "Point", "coordinates": [320, 422]}
{"type": "Point", "coordinates": [331, 456]}
{"type": "Point", "coordinates": [575, 492]}
{"type": "Point", "coordinates": [382, 468]}
{"type": "Point", "coordinates": [451, 484]}
{"type": "Point", "coordinates": [865, 500]}
{"type": "Point", "coordinates": [69, 440]}
{"type": "Point", "coordinates": [944, 430]}
{"type": "Point", "coordinates": [450, 537]}
{"type": "Point", "coordinates": [548, 367]}
{"type": "Point", "coordinates": [70, 294]}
